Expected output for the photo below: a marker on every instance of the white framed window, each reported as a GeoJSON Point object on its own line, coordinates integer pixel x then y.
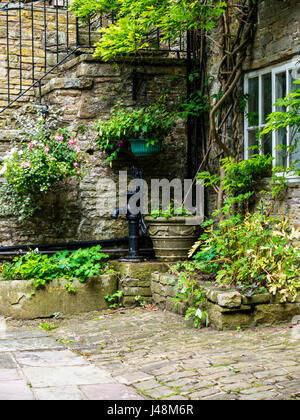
{"type": "Point", "coordinates": [264, 87]}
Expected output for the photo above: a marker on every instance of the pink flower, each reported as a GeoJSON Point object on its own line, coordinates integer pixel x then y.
{"type": "Point", "coordinates": [72, 142]}
{"type": "Point", "coordinates": [77, 149]}
{"type": "Point", "coordinates": [30, 145]}
{"type": "Point", "coordinates": [59, 137]}
{"type": "Point", "coordinates": [25, 164]}
{"type": "Point", "coordinates": [120, 144]}
{"type": "Point", "coordinates": [78, 173]}
{"type": "Point", "coordinates": [47, 148]}
{"type": "Point", "coordinates": [76, 164]}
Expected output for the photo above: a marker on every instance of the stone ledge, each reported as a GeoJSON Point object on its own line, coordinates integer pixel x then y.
{"type": "Point", "coordinates": [67, 83]}
{"type": "Point", "coordinates": [158, 61]}
{"type": "Point", "coordinates": [16, 300]}
{"type": "Point", "coordinates": [138, 271]}
{"type": "Point", "coordinates": [135, 279]}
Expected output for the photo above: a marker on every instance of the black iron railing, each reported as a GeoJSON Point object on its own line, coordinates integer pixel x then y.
{"type": "Point", "coordinates": [37, 37]}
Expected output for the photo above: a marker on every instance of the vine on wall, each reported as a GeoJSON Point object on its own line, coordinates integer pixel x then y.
{"type": "Point", "coordinates": [234, 37]}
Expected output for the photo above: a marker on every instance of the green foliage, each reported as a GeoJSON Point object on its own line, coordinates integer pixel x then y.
{"type": "Point", "coordinates": [80, 264]}
{"type": "Point", "coordinates": [170, 211]}
{"type": "Point", "coordinates": [194, 105]}
{"type": "Point", "coordinates": [240, 179]}
{"type": "Point", "coordinates": [115, 300]}
{"type": "Point", "coordinates": [31, 170]}
{"type": "Point", "coordinates": [252, 253]}
{"type": "Point", "coordinates": [48, 327]}
{"type": "Point", "coordinates": [152, 123]}
{"type": "Point", "coordinates": [134, 21]}
{"type": "Point", "coordinates": [84, 9]}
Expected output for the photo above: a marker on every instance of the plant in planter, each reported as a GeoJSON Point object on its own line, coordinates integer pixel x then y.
{"type": "Point", "coordinates": [139, 131]}
{"type": "Point", "coordinates": [80, 264]}
{"type": "Point", "coordinates": [30, 170]}
{"type": "Point", "coordinates": [172, 232]}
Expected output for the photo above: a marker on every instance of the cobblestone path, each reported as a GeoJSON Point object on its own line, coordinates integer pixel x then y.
{"type": "Point", "coordinates": [158, 355]}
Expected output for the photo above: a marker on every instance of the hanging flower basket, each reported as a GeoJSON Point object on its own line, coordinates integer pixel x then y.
{"type": "Point", "coordinates": [140, 130]}
{"type": "Point", "coordinates": [140, 148]}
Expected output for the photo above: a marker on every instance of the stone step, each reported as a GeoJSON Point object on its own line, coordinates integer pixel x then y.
{"type": "Point", "coordinates": [8, 134]}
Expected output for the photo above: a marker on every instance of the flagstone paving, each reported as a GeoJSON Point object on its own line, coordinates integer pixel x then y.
{"type": "Point", "coordinates": [145, 354]}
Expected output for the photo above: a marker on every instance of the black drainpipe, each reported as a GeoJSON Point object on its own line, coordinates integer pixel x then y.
{"type": "Point", "coordinates": [71, 246]}
{"type": "Point", "coordinates": [64, 245]}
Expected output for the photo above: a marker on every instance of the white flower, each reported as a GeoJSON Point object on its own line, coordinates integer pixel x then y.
{"type": "Point", "coordinates": [3, 169]}
{"type": "Point", "coordinates": [198, 313]}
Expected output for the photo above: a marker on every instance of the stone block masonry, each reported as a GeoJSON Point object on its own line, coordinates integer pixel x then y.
{"type": "Point", "coordinates": [135, 280]}
{"type": "Point", "coordinates": [85, 90]}
{"type": "Point", "coordinates": [226, 309]}
{"type": "Point", "coordinates": [163, 287]}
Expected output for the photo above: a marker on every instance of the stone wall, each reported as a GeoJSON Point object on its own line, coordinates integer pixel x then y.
{"type": "Point", "coordinates": [277, 33]}
{"type": "Point", "coordinates": [86, 89]}
{"type": "Point", "coordinates": [134, 280]}
{"type": "Point", "coordinates": [20, 299]}
{"type": "Point", "coordinates": [225, 308]}
{"type": "Point", "coordinates": [163, 288]}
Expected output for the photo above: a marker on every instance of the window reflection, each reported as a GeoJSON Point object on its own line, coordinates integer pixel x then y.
{"type": "Point", "coordinates": [253, 102]}
{"type": "Point", "coordinates": [266, 96]}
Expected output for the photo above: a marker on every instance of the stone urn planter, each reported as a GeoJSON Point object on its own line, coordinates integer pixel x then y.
{"type": "Point", "coordinates": [173, 237]}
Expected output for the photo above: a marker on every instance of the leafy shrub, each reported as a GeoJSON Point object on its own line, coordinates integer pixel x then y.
{"type": "Point", "coordinates": [240, 179]}
{"type": "Point", "coordinates": [253, 254]}
{"type": "Point", "coordinates": [134, 20]}
{"type": "Point", "coordinates": [31, 170]}
{"type": "Point", "coordinates": [81, 264]}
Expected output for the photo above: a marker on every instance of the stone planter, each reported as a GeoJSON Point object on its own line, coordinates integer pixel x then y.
{"type": "Point", "coordinates": [16, 300]}
{"type": "Point", "coordinates": [173, 237]}
{"type": "Point", "coordinates": [227, 309]}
